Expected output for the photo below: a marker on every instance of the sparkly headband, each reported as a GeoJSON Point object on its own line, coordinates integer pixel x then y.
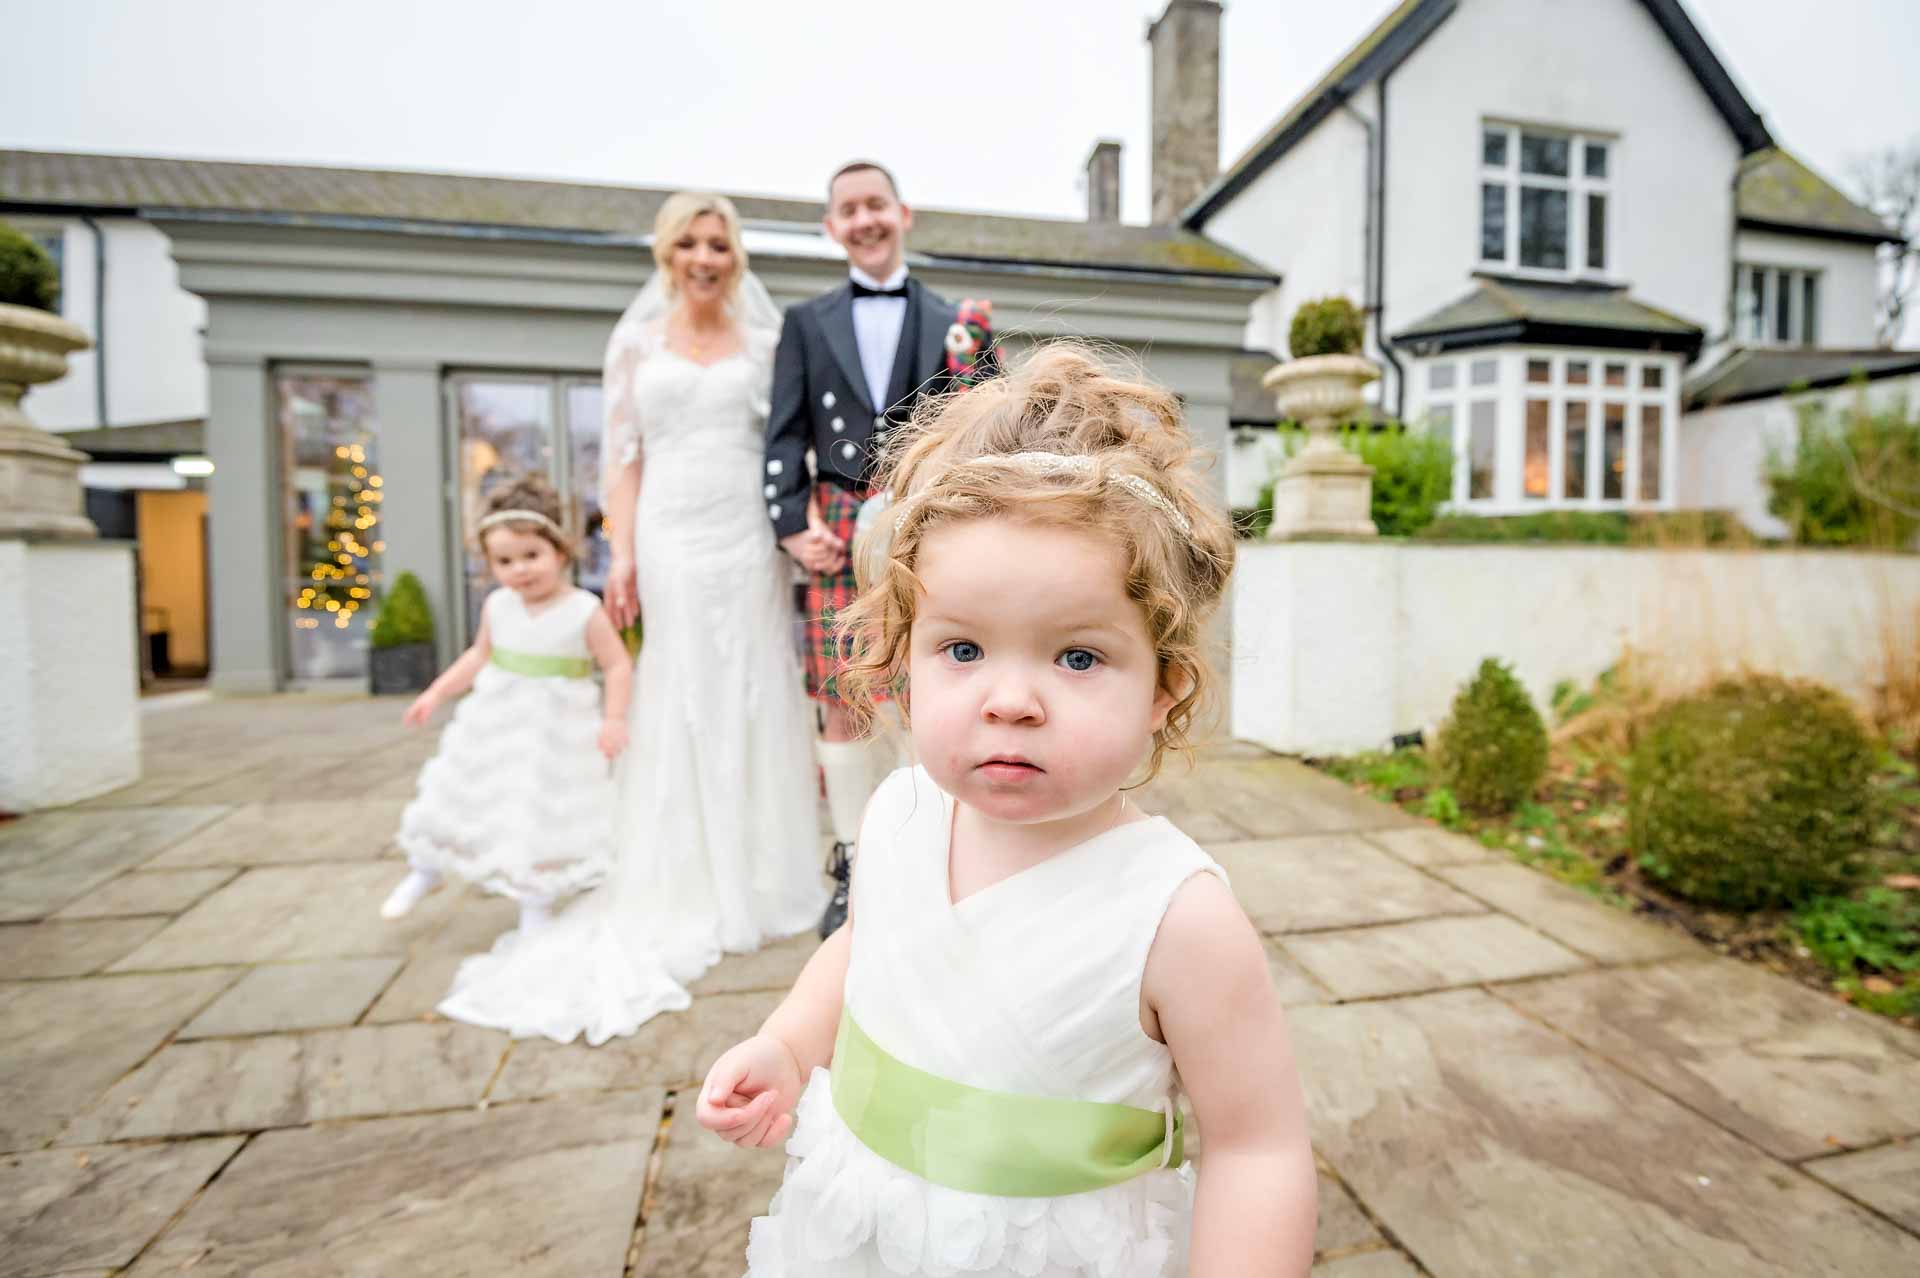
{"type": "Point", "coordinates": [515, 516]}
{"type": "Point", "coordinates": [1063, 464]}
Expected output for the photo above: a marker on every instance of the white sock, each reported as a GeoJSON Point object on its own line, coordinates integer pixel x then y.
{"type": "Point", "coordinates": [412, 890]}
{"type": "Point", "coordinates": [534, 917]}
{"type": "Point", "coordinates": [848, 770]}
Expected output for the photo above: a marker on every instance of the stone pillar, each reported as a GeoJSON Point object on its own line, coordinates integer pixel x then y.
{"type": "Point", "coordinates": [413, 461]}
{"type": "Point", "coordinates": [1186, 105]}
{"type": "Point", "coordinates": [69, 669]}
{"type": "Point", "coordinates": [1103, 182]}
{"type": "Point", "coordinates": [245, 503]}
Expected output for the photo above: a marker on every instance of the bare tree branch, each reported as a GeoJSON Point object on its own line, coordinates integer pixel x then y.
{"type": "Point", "coordinates": [1888, 182]}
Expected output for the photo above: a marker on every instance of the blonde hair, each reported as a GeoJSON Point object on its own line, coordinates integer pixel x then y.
{"type": "Point", "coordinates": [679, 212]}
{"type": "Point", "coordinates": [1062, 400]}
{"type": "Point", "coordinates": [534, 493]}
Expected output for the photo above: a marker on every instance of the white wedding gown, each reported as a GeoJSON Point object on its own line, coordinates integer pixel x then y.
{"type": "Point", "coordinates": [717, 830]}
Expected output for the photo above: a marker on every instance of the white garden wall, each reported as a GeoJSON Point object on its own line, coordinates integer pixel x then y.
{"type": "Point", "coordinates": [1338, 646]}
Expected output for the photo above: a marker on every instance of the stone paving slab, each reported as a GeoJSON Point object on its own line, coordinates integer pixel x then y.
{"type": "Point", "coordinates": [1793, 1071]}
{"type": "Point", "coordinates": [422, 983]}
{"type": "Point", "coordinates": [1331, 881]}
{"type": "Point", "coordinates": [536, 1191]}
{"type": "Point", "coordinates": [1274, 798]}
{"type": "Point", "coordinates": [281, 913]}
{"type": "Point", "coordinates": [673, 1050]}
{"type": "Point", "coordinates": [1342, 1226]}
{"type": "Point", "coordinates": [295, 996]}
{"type": "Point", "coordinates": [283, 833]}
{"type": "Point", "coordinates": [704, 1196]}
{"type": "Point", "coordinates": [1372, 1264]}
{"type": "Point", "coordinates": [1886, 1179]}
{"type": "Point", "coordinates": [148, 892]}
{"type": "Point", "coordinates": [80, 947]}
{"type": "Point", "coordinates": [67, 1209]}
{"type": "Point", "coordinates": [300, 778]}
{"type": "Point", "coordinates": [49, 859]}
{"type": "Point", "coordinates": [1290, 980]}
{"type": "Point", "coordinates": [1488, 1144]}
{"type": "Point", "coordinates": [1428, 954]}
{"type": "Point", "coordinates": [287, 1080]}
{"type": "Point", "coordinates": [62, 1043]}
{"type": "Point", "coordinates": [1429, 845]}
{"type": "Point", "coordinates": [774, 968]}
{"type": "Point", "coordinates": [1569, 916]}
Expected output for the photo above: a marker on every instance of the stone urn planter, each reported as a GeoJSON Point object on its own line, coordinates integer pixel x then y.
{"type": "Point", "coordinates": [1324, 490]}
{"type": "Point", "coordinates": [39, 475]}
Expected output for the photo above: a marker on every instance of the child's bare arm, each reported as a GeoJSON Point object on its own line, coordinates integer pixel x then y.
{"type": "Point", "coordinates": [1208, 987]}
{"type": "Point", "coordinates": [454, 680]}
{"type": "Point", "coordinates": [616, 668]}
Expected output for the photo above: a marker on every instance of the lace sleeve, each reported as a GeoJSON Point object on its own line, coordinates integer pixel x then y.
{"type": "Point", "coordinates": [632, 341]}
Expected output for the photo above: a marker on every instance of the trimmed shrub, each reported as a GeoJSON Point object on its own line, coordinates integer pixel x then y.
{"type": "Point", "coordinates": [28, 276]}
{"type": "Point", "coordinates": [404, 615]}
{"type": "Point", "coordinates": [1754, 793]}
{"type": "Point", "coordinates": [1492, 750]}
{"type": "Point", "coordinates": [1850, 480]}
{"type": "Point", "coordinates": [1329, 326]}
{"type": "Point", "coordinates": [1595, 527]}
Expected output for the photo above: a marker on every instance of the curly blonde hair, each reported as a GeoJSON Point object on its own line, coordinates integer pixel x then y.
{"type": "Point", "coordinates": [1134, 477]}
{"type": "Point", "coordinates": [529, 492]}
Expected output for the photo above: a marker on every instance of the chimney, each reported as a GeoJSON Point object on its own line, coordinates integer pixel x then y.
{"type": "Point", "coordinates": [1103, 182]}
{"type": "Point", "coordinates": [1186, 104]}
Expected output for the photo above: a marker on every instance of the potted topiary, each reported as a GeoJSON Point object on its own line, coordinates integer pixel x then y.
{"type": "Point", "coordinates": [402, 639]}
{"type": "Point", "coordinates": [1325, 489]}
{"type": "Point", "coordinates": [39, 474]}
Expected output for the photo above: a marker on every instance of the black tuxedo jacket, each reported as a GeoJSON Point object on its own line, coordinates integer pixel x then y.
{"type": "Point", "coordinates": [819, 400]}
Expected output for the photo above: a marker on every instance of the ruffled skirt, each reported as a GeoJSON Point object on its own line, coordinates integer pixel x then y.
{"type": "Point", "coordinates": [518, 798]}
{"type": "Point", "coordinates": [845, 1212]}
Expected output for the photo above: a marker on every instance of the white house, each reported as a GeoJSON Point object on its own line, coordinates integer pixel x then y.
{"type": "Point", "coordinates": [1580, 250]}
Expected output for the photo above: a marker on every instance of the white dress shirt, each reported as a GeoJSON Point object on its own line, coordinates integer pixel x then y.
{"type": "Point", "coordinates": [877, 322]}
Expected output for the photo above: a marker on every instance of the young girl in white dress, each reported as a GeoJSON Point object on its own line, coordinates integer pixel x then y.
{"type": "Point", "coordinates": [519, 799]}
{"type": "Point", "coordinates": [992, 1048]}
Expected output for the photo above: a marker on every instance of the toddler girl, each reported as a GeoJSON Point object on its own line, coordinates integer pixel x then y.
{"type": "Point", "coordinates": [1033, 967]}
{"type": "Point", "coordinates": [518, 797]}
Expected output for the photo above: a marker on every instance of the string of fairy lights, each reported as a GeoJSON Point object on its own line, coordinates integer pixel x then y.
{"type": "Point", "coordinates": [342, 577]}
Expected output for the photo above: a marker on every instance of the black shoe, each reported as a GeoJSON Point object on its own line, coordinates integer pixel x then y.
{"type": "Point", "coordinates": [841, 869]}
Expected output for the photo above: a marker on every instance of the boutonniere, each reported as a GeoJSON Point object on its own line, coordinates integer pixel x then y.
{"type": "Point", "coordinates": [967, 339]}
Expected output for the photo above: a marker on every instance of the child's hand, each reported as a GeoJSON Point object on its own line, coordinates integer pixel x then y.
{"type": "Point", "coordinates": [613, 737]}
{"type": "Point", "coordinates": [750, 1093]}
{"type": "Point", "coordinates": [421, 710]}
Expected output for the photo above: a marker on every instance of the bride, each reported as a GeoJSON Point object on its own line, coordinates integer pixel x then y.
{"type": "Point", "coordinates": [717, 824]}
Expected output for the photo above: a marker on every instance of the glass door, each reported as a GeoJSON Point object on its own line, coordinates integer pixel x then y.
{"type": "Point", "coordinates": [506, 426]}
{"type": "Point", "coordinates": [331, 495]}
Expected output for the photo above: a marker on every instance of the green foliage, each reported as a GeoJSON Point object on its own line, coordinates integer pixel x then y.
{"type": "Point", "coordinates": [1756, 792]}
{"type": "Point", "coordinates": [1327, 326]}
{"type": "Point", "coordinates": [1878, 930]}
{"type": "Point", "coordinates": [1597, 527]}
{"type": "Point", "coordinates": [1492, 751]}
{"type": "Point", "coordinates": [28, 276]}
{"type": "Point", "coordinates": [1412, 477]}
{"type": "Point", "coordinates": [1850, 480]}
{"type": "Point", "coordinates": [404, 615]}
{"type": "Point", "coordinates": [1440, 806]}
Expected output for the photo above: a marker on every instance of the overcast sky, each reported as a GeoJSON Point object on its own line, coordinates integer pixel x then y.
{"type": "Point", "coordinates": [991, 104]}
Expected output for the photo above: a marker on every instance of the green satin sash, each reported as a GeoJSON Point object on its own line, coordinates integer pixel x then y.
{"type": "Point", "coordinates": [541, 666]}
{"type": "Point", "coordinates": [987, 1142]}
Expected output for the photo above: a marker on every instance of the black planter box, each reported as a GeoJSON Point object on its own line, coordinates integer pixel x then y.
{"type": "Point", "coordinates": [409, 667]}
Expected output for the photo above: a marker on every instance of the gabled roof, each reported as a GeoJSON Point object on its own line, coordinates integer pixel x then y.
{"type": "Point", "coordinates": [1777, 191]}
{"type": "Point", "coordinates": [1762, 372]}
{"type": "Point", "coordinates": [1396, 37]}
{"type": "Point", "coordinates": [145, 184]}
{"type": "Point", "coordinates": [1501, 311]}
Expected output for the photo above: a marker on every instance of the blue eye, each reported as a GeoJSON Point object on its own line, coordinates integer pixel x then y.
{"type": "Point", "coordinates": [1078, 660]}
{"type": "Point", "coordinates": [964, 652]}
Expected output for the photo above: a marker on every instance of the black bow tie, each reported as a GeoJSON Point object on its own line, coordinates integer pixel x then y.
{"type": "Point", "coordinates": [861, 290]}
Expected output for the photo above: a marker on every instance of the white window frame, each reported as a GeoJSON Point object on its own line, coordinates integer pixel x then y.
{"type": "Point", "coordinates": [1773, 278]}
{"type": "Point", "coordinates": [1510, 393]}
{"type": "Point", "coordinates": [1576, 184]}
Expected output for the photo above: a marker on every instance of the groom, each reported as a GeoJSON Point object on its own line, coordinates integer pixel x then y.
{"type": "Point", "coordinates": [851, 366]}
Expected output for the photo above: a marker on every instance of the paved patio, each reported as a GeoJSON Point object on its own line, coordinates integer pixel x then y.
{"type": "Point", "coordinates": [215, 1058]}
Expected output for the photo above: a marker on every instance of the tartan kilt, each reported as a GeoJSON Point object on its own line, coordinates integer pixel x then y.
{"type": "Point", "coordinates": [827, 594]}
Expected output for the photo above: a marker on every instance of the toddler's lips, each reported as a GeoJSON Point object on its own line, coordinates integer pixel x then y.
{"type": "Point", "coordinates": [1009, 769]}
